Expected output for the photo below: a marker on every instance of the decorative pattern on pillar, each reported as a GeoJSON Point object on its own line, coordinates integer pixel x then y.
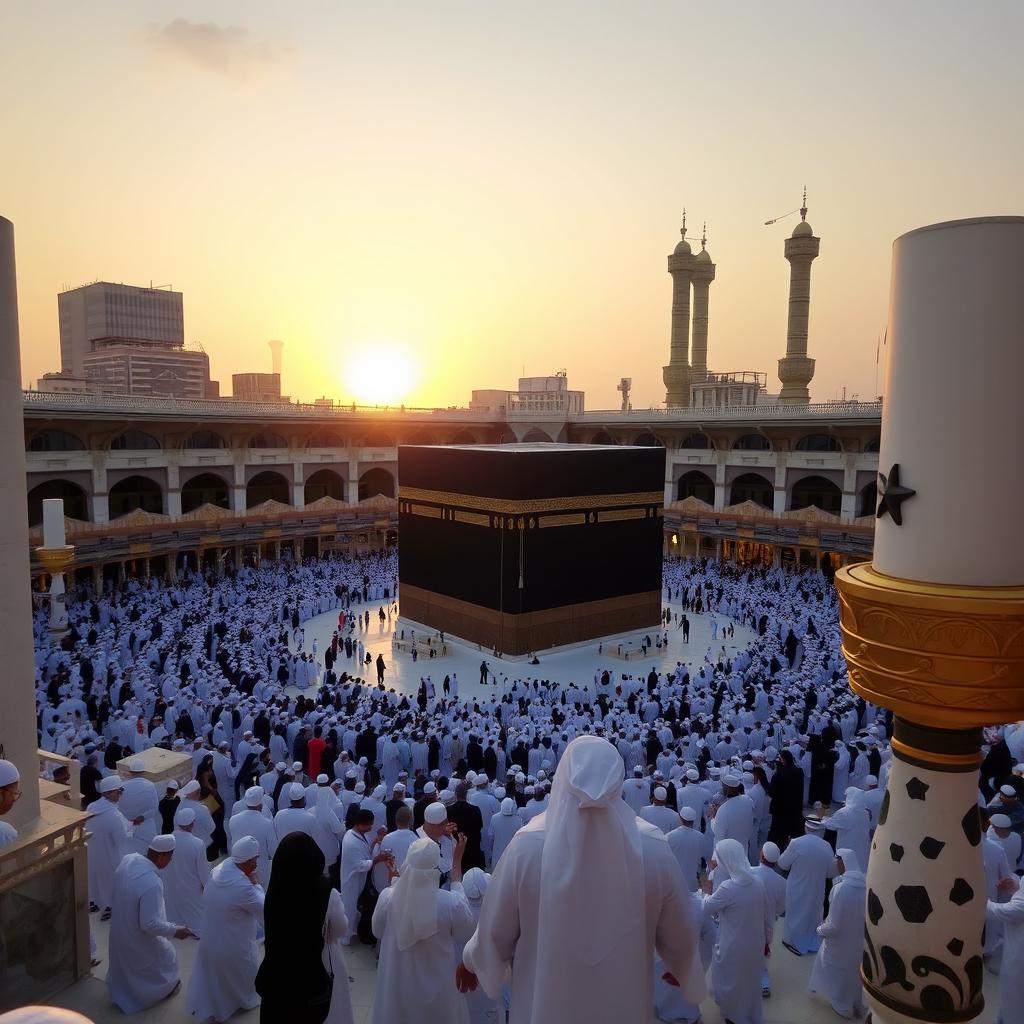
{"type": "Point", "coordinates": [796, 370]}
{"type": "Point", "coordinates": [677, 374]}
{"type": "Point", "coordinates": [703, 275]}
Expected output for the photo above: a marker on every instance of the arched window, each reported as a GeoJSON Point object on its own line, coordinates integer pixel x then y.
{"type": "Point", "coordinates": [75, 504]}
{"type": "Point", "coordinates": [324, 483]}
{"type": "Point", "coordinates": [696, 484]}
{"type": "Point", "coordinates": [266, 439]}
{"type": "Point", "coordinates": [420, 437]}
{"type": "Point", "coordinates": [536, 437]}
{"type": "Point", "coordinates": [818, 443]}
{"type": "Point", "coordinates": [55, 441]}
{"type": "Point", "coordinates": [376, 481]}
{"type": "Point", "coordinates": [204, 439]}
{"type": "Point", "coordinates": [816, 490]}
{"type": "Point", "coordinates": [867, 500]}
{"type": "Point", "coordinates": [648, 440]}
{"type": "Point", "coordinates": [324, 439]}
{"type": "Point", "coordinates": [603, 437]}
{"type": "Point", "coordinates": [205, 489]}
{"type": "Point", "coordinates": [135, 492]}
{"type": "Point", "coordinates": [752, 443]}
{"type": "Point", "coordinates": [266, 486]}
{"type": "Point", "coordinates": [873, 445]}
{"type": "Point", "coordinates": [697, 441]}
{"type": "Point", "coordinates": [752, 487]}
{"type": "Point", "coordinates": [378, 439]}
{"type": "Point", "coordinates": [463, 437]}
{"type": "Point", "coordinates": [133, 441]}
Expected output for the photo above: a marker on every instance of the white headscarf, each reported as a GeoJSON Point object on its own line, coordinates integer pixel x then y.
{"type": "Point", "coordinates": [853, 796]}
{"type": "Point", "coordinates": [592, 872]}
{"type": "Point", "coordinates": [475, 883]}
{"type": "Point", "coordinates": [731, 856]}
{"type": "Point", "coordinates": [414, 904]}
{"type": "Point", "coordinates": [508, 806]}
{"type": "Point", "coordinates": [852, 875]}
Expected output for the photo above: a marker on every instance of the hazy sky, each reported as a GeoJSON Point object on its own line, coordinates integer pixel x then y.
{"type": "Point", "coordinates": [496, 186]}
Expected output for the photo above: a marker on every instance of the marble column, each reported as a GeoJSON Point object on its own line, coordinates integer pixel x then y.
{"type": "Point", "coordinates": [18, 723]}
{"type": "Point", "coordinates": [933, 628]}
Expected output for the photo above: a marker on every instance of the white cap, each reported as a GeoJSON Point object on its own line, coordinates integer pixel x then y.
{"type": "Point", "coordinates": [162, 844]}
{"type": "Point", "coordinates": [322, 780]}
{"type": "Point", "coordinates": [296, 792]}
{"type": "Point", "coordinates": [430, 788]}
{"type": "Point", "coordinates": [435, 813]}
{"type": "Point", "coordinates": [770, 852]}
{"type": "Point", "coordinates": [136, 764]}
{"type": "Point", "coordinates": [398, 787]}
{"type": "Point", "coordinates": [189, 788]}
{"type": "Point", "coordinates": [8, 773]}
{"type": "Point", "coordinates": [660, 793]}
{"type": "Point", "coordinates": [110, 784]}
{"type": "Point", "coordinates": [185, 816]}
{"type": "Point", "coordinates": [254, 796]}
{"type": "Point", "coordinates": [244, 849]}
{"type": "Point", "coordinates": [1000, 821]}
{"type": "Point", "coordinates": [693, 775]}
{"type": "Point", "coordinates": [688, 814]}
{"type": "Point", "coordinates": [296, 766]}
{"type": "Point", "coordinates": [172, 785]}
{"type": "Point", "coordinates": [732, 781]}
{"type": "Point", "coordinates": [1007, 790]}
{"type": "Point", "coordinates": [280, 767]}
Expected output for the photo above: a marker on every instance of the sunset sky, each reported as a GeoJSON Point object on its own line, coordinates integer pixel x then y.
{"type": "Point", "coordinates": [495, 187]}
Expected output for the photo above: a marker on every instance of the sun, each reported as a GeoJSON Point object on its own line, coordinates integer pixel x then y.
{"type": "Point", "coordinates": [379, 373]}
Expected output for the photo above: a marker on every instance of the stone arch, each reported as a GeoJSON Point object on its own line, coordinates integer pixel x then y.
{"type": "Point", "coordinates": [76, 501]}
{"type": "Point", "coordinates": [324, 439]}
{"type": "Point", "coordinates": [698, 440]}
{"type": "Point", "coordinates": [267, 486]}
{"type": "Point", "coordinates": [867, 499]}
{"type": "Point", "coordinates": [205, 489]}
{"type": "Point", "coordinates": [648, 440]}
{"type": "Point", "coordinates": [134, 440]}
{"type": "Point", "coordinates": [463, 437]}
{"type": "Point", "coordinates": [603, 437]}
{"type": "Point", "coordinates": [324, 483]}
{"type": "Point", "coordinates": [420, 437]}
{"type": "Point", "coordinates": [376, 481]}
{"type": "Point", "coordinates": [752, 443]}
{"type": "Point", "coordinates": [378, 439]}
{"type": "Point", "coordinates": [752, 487]}
{"type": "Point", "coordinates": [696, 484]}
{"type": "Point", "coordinates": [873, 444]}
{"type": "Point", "coordinates": [818, 443]}
{"type": "Point", "coordinates": [205, 439]}
{"type": "Point", "coordinates": [816, 490]}
{"type": "Point", "coordinates": [135, 492]}
{"type": "Point", "coordinates": [267, 439]}
{"type": "Point", "coordinates": [53, 440]}
{"type": "Point", "coordinates": [536, 436]}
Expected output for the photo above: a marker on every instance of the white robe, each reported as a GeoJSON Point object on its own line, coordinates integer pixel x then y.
{"type": "Point", "coordinates": [140, 799]}
{"type": "Point", "coordinates": [660, 816]}
{"type": "Point", "coordinates": [335, 930]}
{"type": "Point", "coordinates": [852, 826]}
{"type": "Point", "coordinates": [109, 840]}
{"type": "Point", "coordinates": [735, 820]}
{"type": "Point", "coordinates": [809, 861]}
{"type": "Point", "coordinates": [1011, 977]}
{"type": "Point", "coordinates": [143, 967]}
{"type": "Point", "coordinates": [184, 879]}
{"type": "Point", "coordinates": [416, 984]}
{"type": "Point", "coordinates": [836, 972]}
{"type": "Point", "coordinates": [687, 845]}
{"type": "Point", "coordinates": [224, 972]}
{"type": "Point", "coordinates": [554, 993]}
{"type": "Point", "coordinates": [356, 861]}
{"type": "Point", "coordinates": [253, 823]}
{"type": "Point", "coordinates": [501, 830]}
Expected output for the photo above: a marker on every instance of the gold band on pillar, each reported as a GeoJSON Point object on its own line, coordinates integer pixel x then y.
{"type": "Point", "coordinates": [944, 656]}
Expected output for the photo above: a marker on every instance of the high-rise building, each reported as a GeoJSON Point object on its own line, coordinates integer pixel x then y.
{"type": "Point", "coordinates": [257, 387]}
{"type": "Point", "coordinates": [103, 311]}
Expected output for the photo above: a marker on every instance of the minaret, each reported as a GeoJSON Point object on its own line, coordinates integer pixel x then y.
{"type": "Point", "coordinates": [677, 374]}
{"type": "Point", "coordinates": [796, 370]}
{"type": "Point", "coordinates": [703, 275]}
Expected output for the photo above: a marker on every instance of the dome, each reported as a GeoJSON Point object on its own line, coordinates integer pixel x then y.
{"type": "Point", "coordinates": [802, 230]}
{"type": "Point", "coordinates": [703, 256]}
{"type": "Point", "coordinates": [682, 249]}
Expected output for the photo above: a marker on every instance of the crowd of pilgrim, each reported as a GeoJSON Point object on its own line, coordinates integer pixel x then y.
{"type": "Point", "coordinates": [522, 850]}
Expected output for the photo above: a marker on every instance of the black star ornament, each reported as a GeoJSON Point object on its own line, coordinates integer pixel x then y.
{"type": "Point", "coordinates": [893, 495]}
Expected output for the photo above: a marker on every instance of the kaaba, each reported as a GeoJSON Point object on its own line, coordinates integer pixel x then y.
{"type": "Point", "coordinates": [524, 547]}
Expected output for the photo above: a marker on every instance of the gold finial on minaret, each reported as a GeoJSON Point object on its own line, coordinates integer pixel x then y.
{"type": "Point", "coordinates": [803, 209]}
{"type": "Point", "coordinates": [682, 230]}
{"type": "Point", "coordinates": [704, 237]}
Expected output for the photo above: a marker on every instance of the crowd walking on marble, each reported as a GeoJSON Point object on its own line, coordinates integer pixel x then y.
{"type": "Point", "coordinates": [501, 844]}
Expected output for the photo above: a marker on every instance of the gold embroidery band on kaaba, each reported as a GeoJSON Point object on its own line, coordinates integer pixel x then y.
{"type": "Point", "coordinates": [515, 507]}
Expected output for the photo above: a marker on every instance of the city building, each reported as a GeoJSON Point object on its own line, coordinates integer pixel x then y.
{"type": "Point", "coordinates": [543, 395]}
{"type": "Point", "coordinates": [151, 370]}
{"type": "Point", "coordinates": [257, 387]}
{"type": "Point", "coordinates": [129, 313]}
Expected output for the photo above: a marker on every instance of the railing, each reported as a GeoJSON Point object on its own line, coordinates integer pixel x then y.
{"type": "Point", "coordinates": [694, 414]}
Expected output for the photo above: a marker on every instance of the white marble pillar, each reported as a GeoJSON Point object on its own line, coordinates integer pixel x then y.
{"type": "Point", "coordinates": [18, 722]}
{"type": "Point", "coordinates": [934, 628]}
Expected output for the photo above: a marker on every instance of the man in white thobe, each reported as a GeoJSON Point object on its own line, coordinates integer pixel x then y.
{"type": "Point", "coordinates": [140, 800]}
{"type": "Point", "coordinates": [109, 841]}
{"type": "Point", "coordinates": [143, 966]}
{"type": "Point", "coordinates": [733, 819]}
{"type": "Point", "coordinates": [775, 889]}
{"type": "Point", "coordinates": [295, 817]}
{"type": "Point", "coordinates": [358, 857]}
{"type": "Point", "coordinates": [637, 790]}
{"type": "Point", "coordinates": [688, 844]}
{"type": "Point", "coordinates": [187, 874]}
{"type": "Point", "coordinates": [810, 862]}
{"type": "Point", "coordinates": [224, 975]}
{"type": "Point", "coordinates": [658, 813]}
{"type": "Point", "coordinates": [582, 899]}
{"type": "Point", "coordinates": [503, 827]}
{"type": "Point", "coordinates": [396, 844]}
{"type": "Point", "coordinates": [252, 822]}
